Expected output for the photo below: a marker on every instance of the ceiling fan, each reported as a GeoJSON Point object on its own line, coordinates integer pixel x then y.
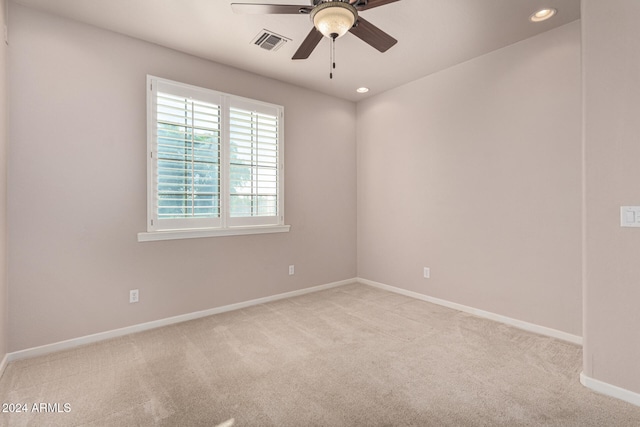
{"type": "Point", "coordinates": [331, 18]}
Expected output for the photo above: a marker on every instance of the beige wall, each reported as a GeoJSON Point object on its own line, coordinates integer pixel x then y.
{"type": "Point", "coordinates": [77, 189]}
{"type": "Point", "coordinates": [475, 172]}
{"type": "Point", "coordinates": [611, 67]}
{"type": "Point", "coordinates": [3, 187]}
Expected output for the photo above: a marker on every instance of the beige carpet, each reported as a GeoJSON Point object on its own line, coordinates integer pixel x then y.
{"type": "Point", "coordinates": [348, 356]}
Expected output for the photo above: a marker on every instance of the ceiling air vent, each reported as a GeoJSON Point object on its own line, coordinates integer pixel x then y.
{"type": "Point", "coordinates": [269, 40]}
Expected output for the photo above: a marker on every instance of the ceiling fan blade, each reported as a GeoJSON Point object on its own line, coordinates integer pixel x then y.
{"type": "Point", "coordinates": [307, 46]}
{"type": "Point", "coordinates": [372, 35]}
{"type": "Point", "coordinates": [256, 8]}
{"type": "Point", "coordinates": [374, 3]}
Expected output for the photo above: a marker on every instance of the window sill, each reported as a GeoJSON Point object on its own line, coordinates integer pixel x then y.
{"type": "Point", "coordinates": [151, 236]}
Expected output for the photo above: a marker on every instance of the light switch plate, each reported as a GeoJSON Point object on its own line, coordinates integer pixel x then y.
{"type": "Point", "coordinates": [629, 216]}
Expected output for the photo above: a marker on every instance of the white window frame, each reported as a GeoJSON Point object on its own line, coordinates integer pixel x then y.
{"type": "Point", "coordinates": [224, 225]}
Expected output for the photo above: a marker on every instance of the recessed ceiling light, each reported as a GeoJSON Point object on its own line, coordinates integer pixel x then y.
{"type": "Point", "coordinates": [362, 90]}
{"type": "Point", "coordinates": [542, 15]}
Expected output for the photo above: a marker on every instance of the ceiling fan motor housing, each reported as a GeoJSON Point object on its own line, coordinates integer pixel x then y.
{"type": "Point", "coordinates": [333, 18]}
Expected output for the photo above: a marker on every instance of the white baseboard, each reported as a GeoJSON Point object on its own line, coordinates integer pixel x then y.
{"type": "Point", "coordinates": [609, 389]}
{"type": "Point", "coordinates": [542, 330]}
{"type": "Point", "coordinates": [3, 364]}
{"type": "Point", "coordinates": [88, 339]}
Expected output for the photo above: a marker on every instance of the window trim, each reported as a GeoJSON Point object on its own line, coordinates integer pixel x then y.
{"type": "Point", "coordinates": [225, 225]}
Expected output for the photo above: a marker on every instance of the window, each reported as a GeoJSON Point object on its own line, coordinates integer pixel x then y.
{"type": "Point", "coordinates": [214, 163]}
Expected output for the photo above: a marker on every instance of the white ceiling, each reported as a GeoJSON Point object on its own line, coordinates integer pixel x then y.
{"type": "Point", "coordinates": [432, 35]}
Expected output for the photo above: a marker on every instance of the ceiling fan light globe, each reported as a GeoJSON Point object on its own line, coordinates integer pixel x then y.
{"type": "Point", "coordinates": [334, 19]}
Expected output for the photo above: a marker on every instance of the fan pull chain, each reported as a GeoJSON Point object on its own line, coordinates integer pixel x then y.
{"type": "Point", "coordinates": [332, 58]}
{"type": "Point", "coordinates": [330, 61]}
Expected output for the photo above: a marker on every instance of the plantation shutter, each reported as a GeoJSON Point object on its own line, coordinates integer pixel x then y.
{"type": "Point", "coordinates": [253, 163]}
{"type": "Point", "coordinates": [215, 161]}
{"type": "Point", "coordinates": [187, 157]}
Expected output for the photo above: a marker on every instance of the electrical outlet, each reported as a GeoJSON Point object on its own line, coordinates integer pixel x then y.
{"type": "Point", "coordinates": [427, 272]}
{"type": "Point", "coordinates": [134, 296]}
{"type": "Point", "coordinates": [292, 270]}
